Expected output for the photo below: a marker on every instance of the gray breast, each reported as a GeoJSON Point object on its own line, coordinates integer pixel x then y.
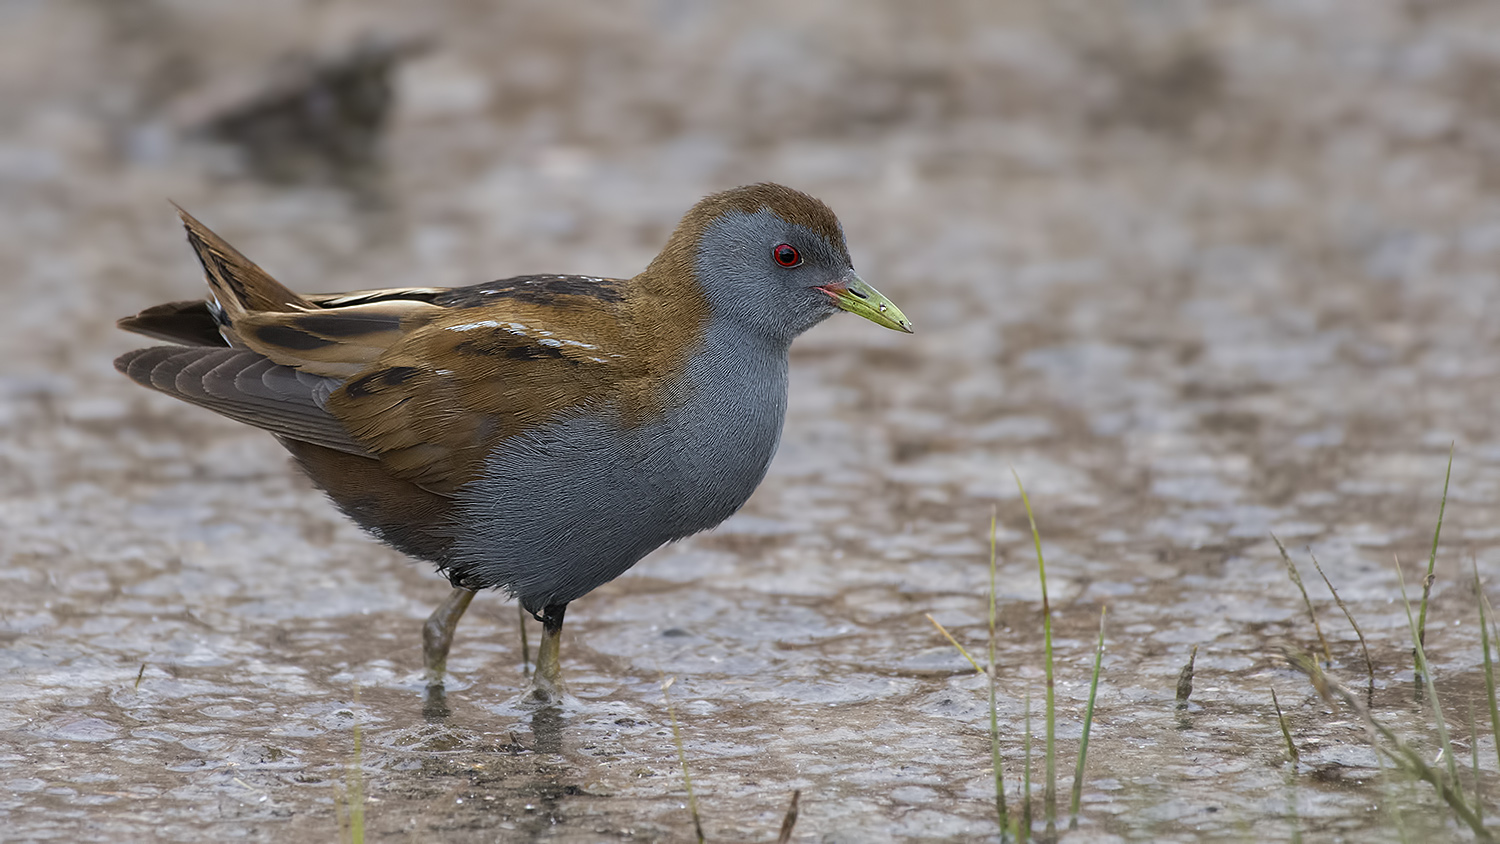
{"type": "Point", "coordinates": [573, 504]}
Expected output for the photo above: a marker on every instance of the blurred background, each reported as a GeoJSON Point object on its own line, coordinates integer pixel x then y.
{"type": "Point", "coordinates": [1199, 271]}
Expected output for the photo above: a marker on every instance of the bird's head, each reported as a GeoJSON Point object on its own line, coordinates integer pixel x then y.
{"type": "Point", "coordinates": [773, 259]}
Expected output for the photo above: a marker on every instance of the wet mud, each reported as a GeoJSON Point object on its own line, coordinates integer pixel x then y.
{"type": "Point", "coordinates": [1197, 272]}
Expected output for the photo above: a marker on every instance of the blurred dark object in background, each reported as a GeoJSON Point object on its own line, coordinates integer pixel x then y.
{"type": "Point", "coordinates": [317, 118]}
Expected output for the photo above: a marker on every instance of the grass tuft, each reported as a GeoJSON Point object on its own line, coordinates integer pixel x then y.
{"type": "Point", "coordinates": [1405, 759]}
{"type": "Point", "coordinates": [1426, 675]}
{"type": "Point", "coordinates": [1021, 826]}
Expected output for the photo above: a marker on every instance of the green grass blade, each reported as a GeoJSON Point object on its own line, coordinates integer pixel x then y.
{"type": "Point", "coordinates": [1001, 811]}
{"type": "Point", "coordinates": [1291, 774]}
{"type": "Point", "coordinates": [1088, 725]}
{"type": "Point", "coordinates": [357, 790]}
{"type": "Point", "coordinates": [949, 636]}
{"type": "Point", "coordinates": [351, 803]}
{"type": "Point", "coordinates": [1286, 732]}
{"type": "Point", "coordinates": [1422, 670]}
{"type": "Point", "coordinates": [1474, 760]}
{"type": "Point", "coordinates": [1393, 800]}
{"type": "Point", "coordinates": [789, 821]}
{"type": "Point", "coordinates": [1025, 830]}
{"type": "Point", "coordinates": [1049, 792]}
{"type": "Point", "coordinates": [1485, 614]}
{"type": "Point", "coordinates": [1360, 634]}
{"type": "Point", "coordinates": [1432, 557]}
{"type": "Point", "coordinates": [687, 778]}
{"type": "Point", "coordinates": [1296, 577]}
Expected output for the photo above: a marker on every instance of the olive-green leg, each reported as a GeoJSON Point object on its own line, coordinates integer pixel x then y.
{"type": "Point", "coordinates": [437, 633]}
{"type": "Point", "coordinates": [546, 683]}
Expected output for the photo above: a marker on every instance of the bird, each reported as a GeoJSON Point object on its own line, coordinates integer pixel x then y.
{"type": "Point", "coordinates": [538, 434]}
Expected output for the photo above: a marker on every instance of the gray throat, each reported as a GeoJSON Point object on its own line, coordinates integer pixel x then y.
{"type": "Point", "coordinates": [729, 424]}
{"type": "Point", "coordinates": [574, 504]}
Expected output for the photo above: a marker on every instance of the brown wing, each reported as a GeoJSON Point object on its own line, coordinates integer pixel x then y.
{"type": "Point", "coordinates": [436, 402]}
{"type": "Point", "coordinates": [426, 380]}
{"type": "Point", "coordinates": [428, 389]}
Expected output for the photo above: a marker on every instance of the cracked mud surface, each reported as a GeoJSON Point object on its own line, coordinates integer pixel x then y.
{"type": "Point", "coordinates": [1200, 272]}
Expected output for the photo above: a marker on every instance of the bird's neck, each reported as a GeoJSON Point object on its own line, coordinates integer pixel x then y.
{"type": "Point", "coordinates": [743, 366]}
{"type": "Point", "coordinates": [724, 420]}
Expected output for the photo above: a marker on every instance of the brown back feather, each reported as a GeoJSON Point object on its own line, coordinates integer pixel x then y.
{"type": "Point", "coordinates": [438, 402]}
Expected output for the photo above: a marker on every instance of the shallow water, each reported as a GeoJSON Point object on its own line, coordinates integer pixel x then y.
{"type": "Point", "coordinates": [1197, 272]}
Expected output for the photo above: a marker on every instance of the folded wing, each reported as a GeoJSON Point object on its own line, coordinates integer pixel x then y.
{"type": "Point", "coordinates": [424, 380]}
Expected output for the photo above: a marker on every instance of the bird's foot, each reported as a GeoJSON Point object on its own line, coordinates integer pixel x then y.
{"type": "Point", "coordinates": [544, 692]}
{"type": "Point", "coordinates": [435, 703]}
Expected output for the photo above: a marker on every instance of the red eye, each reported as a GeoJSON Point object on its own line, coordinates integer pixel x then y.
{"type": "Point", "coordinates": [786, 255]}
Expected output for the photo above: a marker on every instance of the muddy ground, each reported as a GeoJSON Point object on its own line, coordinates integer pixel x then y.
{"type": "Point", "coordinates": [1198, 271]}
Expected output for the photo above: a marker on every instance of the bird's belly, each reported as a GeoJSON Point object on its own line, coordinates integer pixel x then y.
{"type": "Point", "coordinates": [569, 506]}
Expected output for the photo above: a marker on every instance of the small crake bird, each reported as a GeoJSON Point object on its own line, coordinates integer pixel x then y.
{"type": "Point", "coordinates": [539, 434]}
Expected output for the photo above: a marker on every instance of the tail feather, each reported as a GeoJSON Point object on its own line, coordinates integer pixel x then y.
{"type": "Point", "coordinates": [238, 285]}
{"type": "Point", "coordinates": [246, 387]}
{"type": "Point", "coordinates": [188, 323]}
{"type": "Point", "coordinates": [335, 335]}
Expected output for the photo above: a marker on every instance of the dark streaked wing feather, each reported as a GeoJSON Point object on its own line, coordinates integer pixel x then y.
{"type": "Point", "coordinates": [245, 387]}
{"type": "Point", "coordinates": [382, 294]}
{"type": "Point", "coordinates": [338, 342]}
{"type": "Point", "coordinates": [191, 322]}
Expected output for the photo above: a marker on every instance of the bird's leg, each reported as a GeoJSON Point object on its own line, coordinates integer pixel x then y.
{"type": "Point", "coordinates": [546, 682]}
{"type": "Point", "coordinates": [437, 633]}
